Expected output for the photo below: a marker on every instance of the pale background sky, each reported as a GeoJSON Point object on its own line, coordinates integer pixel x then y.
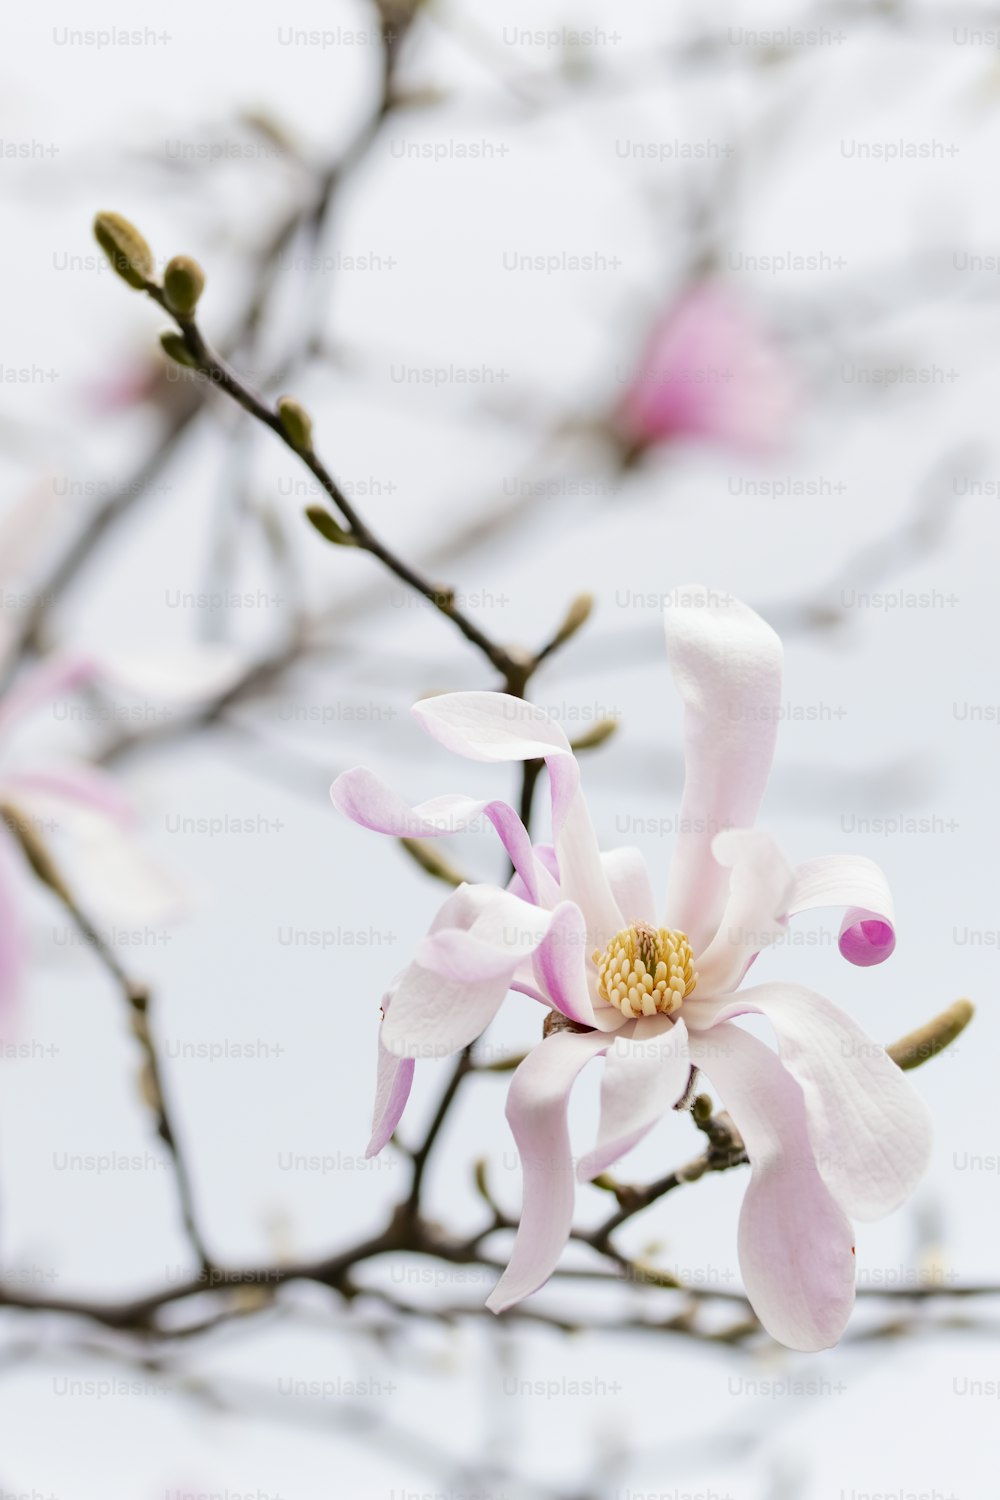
{"type": "Point", "coordinates": [890, 1417]}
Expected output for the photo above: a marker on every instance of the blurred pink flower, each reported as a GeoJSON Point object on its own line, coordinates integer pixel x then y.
{"type": "Point", "coordinates": [710, 371]}
{"type": "Point", "coordinates": [81, 802]}
{"type": "Point", "coordinates": [832, 1127]}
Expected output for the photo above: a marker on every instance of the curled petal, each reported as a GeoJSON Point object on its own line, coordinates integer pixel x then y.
{"type": "Point", "coordinates": [867, 935]}
{"type": "Point", "coordinates": [644, 1076]}
{"type": "Point", "coordinates": [754, 917]}
{"type": "Point", "coordinates": [536, 1108]}
{"type": "Point", "coordinates": [796, 1244]}
{"type": "Point", "coordinates": [361, 796]}
{"type": "Point", "coordinates": [870, 1130]}
{"type": "Point", "coordinates": [726, 662]}
{"type": "Point", "coordinates": [499, 727]}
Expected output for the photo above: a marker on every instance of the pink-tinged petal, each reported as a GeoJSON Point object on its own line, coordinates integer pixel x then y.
{"type": "Point", "coordinates": [628, 877]}
{"type": "Point", "coordinates": [56, 675]}
{"type": "Point", "coordinates": [870, 1129]}
{"type": "Point", "coordinates": [505, 932]}
{"type": "Point", "coordinates": [560, 965]}
{"type": "Point", "coordinates": [546, 857]}
{"type": "Point", "coordinates": [392, 1089]}
{"type": "Point", "coordinates": [796, 1244]}
{"type": "Point", "coordinates": [499, 727]}
{"type": "Point", "coordinates": [867, 935]}
{"type": "Point", "coordinates": [13, 943]}
{"type": "Point", "coordinates": [83, 786]}
{"type": "Point", "coordinates": [361, 796]}
{"type": "Point", "coordinates": [536, 1109]}
{"type": "Point", "coordinates": [755, 914]}
{"type": "Point", "coordinates": [644, 1076]}
{"type": "Point", "coordinates": [726, 662]}
{"type": "Point", "coordinates": [434, 1017]}
{"type": "Point", "coordinates": [710, 371]}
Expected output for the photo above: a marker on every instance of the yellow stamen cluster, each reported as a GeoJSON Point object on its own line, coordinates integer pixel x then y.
{"type": "Point", "coordinates": [646, 971]}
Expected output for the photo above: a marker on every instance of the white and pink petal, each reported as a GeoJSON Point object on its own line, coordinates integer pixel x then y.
{"type": "Point", "coordinates": [796, 1245]}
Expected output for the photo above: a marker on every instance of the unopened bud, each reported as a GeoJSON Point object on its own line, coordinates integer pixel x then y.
{"type": "Point", "coordinates": [577, 615]}
{"type": "Point", "coordinates": [927, 1041]}
{"type": "Point", "coordinates": [601, 731]}
{"type": "Point", "coordinates": [125, 248]}
{"type": "Point", "coordinates": [174, 347]}
{"type": "Point", "coordinates": [297, 423]}
{"type": "Point", "coordinates": [328, 528]}
{"type": "Point", "coordinates": [183, 284]}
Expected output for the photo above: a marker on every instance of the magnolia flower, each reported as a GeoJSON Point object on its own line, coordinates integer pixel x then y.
{"type": "Point", "coordinates": [711, 372]}
{"type": "Point", "coordinates": [832, 1127]}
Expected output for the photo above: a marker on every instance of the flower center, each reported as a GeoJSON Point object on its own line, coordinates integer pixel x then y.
{"type": "Point", "coordinates": [646, 971]}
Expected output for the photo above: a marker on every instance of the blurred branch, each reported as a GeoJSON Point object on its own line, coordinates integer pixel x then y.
{"type": "Point", "coordinates": [137, 998]}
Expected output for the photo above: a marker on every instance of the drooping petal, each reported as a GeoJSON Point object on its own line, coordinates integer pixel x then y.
{"type": "Point", "coordinates": [754, 917]}
{"type": "Point", "coordinates": [628, 877]}
{"type": "Point", "coordinates": [536, 1109]}
{"type": "Point", "coordinates": [392, 1089]}
{"type": "Point", "coordinates": [361, 796]}
{"type": "Point", "coordinates": [867, 935]}
{"type": "Point", "coordinates": [796, 1245]}
{"type": "Point", "coordinates": [644, 1076]}
{"type": "Point", "coordinates": [726, 662]}
{"type": "Point", "coordinates": [870, 1130]}
{"type": "Point", "coordinates": [499, 727]}
{"type": "Point", "coordinates": [431, 1017]}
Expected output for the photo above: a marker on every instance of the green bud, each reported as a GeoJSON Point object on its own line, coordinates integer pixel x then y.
{"type": "Point", "coordinates": [577, 615]}
{"type": "Point", "coordinates": [601, 731]}
{"type": "Point", "coordinates": [175, 348]}
{"type": "Point", "coordinates": [297, 424]}
{"type": "Point", "coordinates": [702, 1108]}
{"type": "Point", "coordinates": [125, 248]}
{"type": "Point", "coordinates": [928, 1040]}
{"type": "Point", "coordinates": [183, 284]}
{"type": "Point", "coordinates": [327, 527]}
